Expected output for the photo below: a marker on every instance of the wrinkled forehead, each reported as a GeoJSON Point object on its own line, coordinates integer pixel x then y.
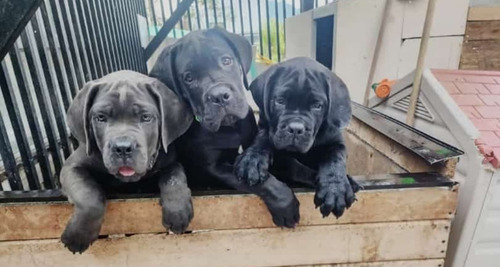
{"type": "Point", "coordinates": [201, 51]}
{"type": "Point", "coordinates": [301, 83]}
{"type": "Point", "coordinates": [125, 97]}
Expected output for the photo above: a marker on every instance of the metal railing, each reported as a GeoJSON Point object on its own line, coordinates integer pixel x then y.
{"type": "Point", "coordinates": [261, 21]}
{"type": "Point", "coordinates": [69, 42]}
{"type": "Point", "coordinates": [65, 44]}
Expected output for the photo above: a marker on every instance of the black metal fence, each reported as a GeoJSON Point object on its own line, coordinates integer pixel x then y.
{"type": "Point", "coordinates": [69, 42]}
{"type": "Point", "coordinates": [66, 43]}
{"type": "Point", "coordinates": [261, 21]}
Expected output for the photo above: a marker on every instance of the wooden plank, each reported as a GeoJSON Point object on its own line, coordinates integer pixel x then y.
{"type": "Point", "coordinates": [47, 220]}
{"type": "Point", "coordinates": [481, 49]}
{"type": "Point", "coordinates": [397, 153]}
{"type": "Point", "coordinates": [479, 13]}
{"type": "Point", "coordinates": [482, 30]}
{"type": "Point", "coordinates": [481, 55]}
{"type": "Point", "coordinates": [413, 263]}
{"type": "Point", "coordinates": [363, 159]}
{"type": "Point", "coordinates": [253, 247]}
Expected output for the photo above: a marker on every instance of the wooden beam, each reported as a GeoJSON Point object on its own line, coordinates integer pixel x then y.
{"type": "Point", "coordinates": [23, 221]}
{"type": "Point", "coordinates": [325, 244]}
{"type": "Point", "coordinates": [413, 263]}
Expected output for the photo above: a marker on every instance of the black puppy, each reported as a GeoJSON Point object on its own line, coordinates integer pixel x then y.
{"type": "Point", "coordinates": [303, 109]}
{"type": "Point", "coordinates": [208, 69]}
{"type": "Point", "coordinates": [124, 123]}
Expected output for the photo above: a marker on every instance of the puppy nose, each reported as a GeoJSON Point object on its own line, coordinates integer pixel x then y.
{"type": "Point", "coordinates": [296, 128]}
{"type": "Point", "coordinates": [123, 146]}
{"type": "Point", "coordinates": [219, 95]}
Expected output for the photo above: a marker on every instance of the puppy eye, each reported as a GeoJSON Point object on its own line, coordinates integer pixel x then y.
{"type": "Point", "coordinates": [280, 101]}
{"type": "Point", "coordinates": [100, 118]}
{"type": "Point", "coordinates": [227, 61]}
{"type": "Point", "coordinates": [317, 106]}
{"type": "Point", "coordinates": [188, 78]}
{"type": "Point", "coordinates": [146, 117]}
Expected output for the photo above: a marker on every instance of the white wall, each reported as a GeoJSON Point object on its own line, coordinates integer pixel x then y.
{"type": "Point", "coordinates": [357, 26]}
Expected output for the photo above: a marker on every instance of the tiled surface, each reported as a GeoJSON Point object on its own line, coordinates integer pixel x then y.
{"type": "Point", "coordinates": [477, 93]}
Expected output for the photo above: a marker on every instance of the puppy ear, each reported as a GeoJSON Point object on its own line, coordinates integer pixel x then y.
{"type": "Point", "coordinates": [339, 110]}
{"type": "Point", "coordinates": [175, 115]}
{"type": "Point", "coordinates": [241, 48]}
{"type": "Point", "coordinates": [262, 88]}
{"type": "Point", "coordinates": [164, 68]}
{"type": "Point", "coordinates": [240, 45]}
{"type": "Point", "coordinates": [78, 115]}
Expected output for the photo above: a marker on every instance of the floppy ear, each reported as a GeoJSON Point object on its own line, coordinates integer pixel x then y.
{"type": "Point", "coordinates": [78, 115]}
{"type": "Point", "coordinates": [339, 110]}
{"type": "Point", "coordinates": [241, 48]}
{"type": "Point", "coordinates": [164, 68]}
{"type": "Point", "coordinates": [175, 115]}
{"type": "Point", "coordinates": [262, 88]}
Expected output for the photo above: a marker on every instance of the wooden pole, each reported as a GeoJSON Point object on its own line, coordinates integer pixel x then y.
{"type": "Point", "coordinates": [410, 118]}
{"type": "Point", "coordinates": [376, 52]}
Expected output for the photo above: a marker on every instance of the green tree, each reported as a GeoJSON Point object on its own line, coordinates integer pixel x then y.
{"type": "Point", "coordinates": [274, 40]}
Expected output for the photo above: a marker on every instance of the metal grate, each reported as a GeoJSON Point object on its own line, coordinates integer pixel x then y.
{"type": "Point", "coordinates": [65, 44]}
{"type": "Point", "coordinates": [422, 110]}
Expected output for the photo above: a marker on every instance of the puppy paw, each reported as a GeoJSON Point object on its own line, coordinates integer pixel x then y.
{"type": "Point", "coordinates": [252, 167]}
{"type": "Point", "coordinates": [78, 238]}
{"type": "Point", "coordinates": [285, 213]}
{"type": "Point", "coordinates": [335, 196]}
{"type": "Point", "coordinates": [177, 215]}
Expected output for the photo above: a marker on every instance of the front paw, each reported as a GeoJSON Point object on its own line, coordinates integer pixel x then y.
{"type": "Point", "coordinates": [77, 237]}
{"type": "Point", "coordinates": [285, 213]}
{"type": "Point", "coordinates": [252, 167]}
{"type": "Point", "coordinates": [177, 214]}
{"type": "Point", "coordinates": [335, 196]}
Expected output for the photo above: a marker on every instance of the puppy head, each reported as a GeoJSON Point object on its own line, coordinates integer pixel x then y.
{"type": "Point", "coordinates": [208, 69]}
{"type": "Point", "coordinates": [127, 117]}
{"type": "Point", "coordinates": [301, 101]}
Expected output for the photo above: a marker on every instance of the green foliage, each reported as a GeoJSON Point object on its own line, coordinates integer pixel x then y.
{"type": "Point", "coordinates": [274, 40]}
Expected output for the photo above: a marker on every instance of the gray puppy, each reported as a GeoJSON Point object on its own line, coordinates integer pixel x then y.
{"type": "Point", "coordinates": [124, 123]}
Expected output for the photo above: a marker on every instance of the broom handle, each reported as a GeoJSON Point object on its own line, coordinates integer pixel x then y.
{"type": "Point", "coordinates": [410, 118]}
{"type": "Point", "coordinates": [376, 53]}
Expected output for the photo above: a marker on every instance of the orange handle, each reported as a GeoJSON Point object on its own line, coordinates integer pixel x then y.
{"type": "Point", "coordinates": [383, 88]}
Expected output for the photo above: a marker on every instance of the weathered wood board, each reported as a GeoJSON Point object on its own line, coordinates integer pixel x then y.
{"type": "Point", "coordinates": [398, 154]}
{"type": "Point", "coordinates": [414, 263]}
{"type": "Point", "coordinates": [47, 220]}
{"type": "Point", "coordinates": [351, 243]}
{"type": "Point", "coordinates": [481, 48]}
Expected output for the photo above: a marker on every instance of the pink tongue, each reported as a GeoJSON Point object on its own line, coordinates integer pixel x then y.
{"type": "Point", "coordinates": [126, 171]}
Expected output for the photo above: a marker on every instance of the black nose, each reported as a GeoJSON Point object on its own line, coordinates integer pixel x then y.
{"type": "Point", "coordinates": [219, 95]}
{"type": "Point", "coordinates": [123, 146]}
{"type": "Point", "coordinates": [296, 128]}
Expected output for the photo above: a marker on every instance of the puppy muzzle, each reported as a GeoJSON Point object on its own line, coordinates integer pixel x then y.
{"type": "Point", "coordinates": [125, 159]}
{"type": "Point", "coordinates": [294, 135]}
{"type": "Point", "coordinates": [223, 107]}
